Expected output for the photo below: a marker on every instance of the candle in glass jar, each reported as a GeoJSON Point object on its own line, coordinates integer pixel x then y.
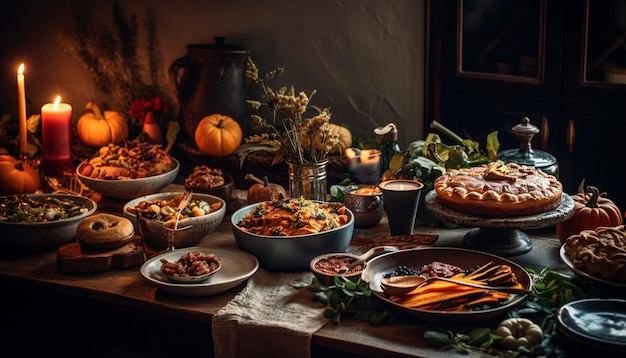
{"type": "Point", "coordinates": [56, 130]}
{"type": "Point", "coordinates": [364, 166]}
{"type": "Point", "coordinates": [21, 106]}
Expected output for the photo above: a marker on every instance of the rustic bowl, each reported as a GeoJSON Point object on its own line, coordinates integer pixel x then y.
{"type": "Point", "coordinates": [226, 192]}
{"type": "Point", "coordinates": [129, 188]}
{"type": "Point", "coordinates": [327, 275]}
{"type": "Point", "coordinates": [45, 235]}
{"type": "Point", "coordinates": [153, 232]}
{"type": "Point", "coordinates": [293, 253]}
{"type": "Point", "coordinates": [366, 204]}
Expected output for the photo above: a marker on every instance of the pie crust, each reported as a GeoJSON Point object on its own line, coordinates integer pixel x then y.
{"type": "Point", "coordinates": [508, 190]}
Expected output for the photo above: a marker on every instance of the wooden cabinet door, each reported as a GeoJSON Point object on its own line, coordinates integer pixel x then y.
{"type": "Point", "coordinates": [490, 65]}
{"type": "Point", "coordinates": [560, 63]}
{"type": "Point", "coordinates": [593, 108]}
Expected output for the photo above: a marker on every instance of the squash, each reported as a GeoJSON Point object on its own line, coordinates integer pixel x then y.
{"type": "Point", "coordinates": [591, 211]}
{"type": "Point", "coordinates": [218, 135]}
{"type": "Point", "coordinates": [516, 332]}
{"type": "Point", "coordinates": [345, 139]}
{"type": "Point", "coordinates": [454, 296]}
{"type": "Point", "coordinates": [17, 177]}
{"type": "Point", "coordinates": [97, 130]}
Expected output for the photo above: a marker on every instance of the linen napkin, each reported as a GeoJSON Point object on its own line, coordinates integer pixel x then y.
{"type": "Point", "coordinates": [268, 318]}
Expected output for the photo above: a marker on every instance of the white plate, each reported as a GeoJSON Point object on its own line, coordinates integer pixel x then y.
{"type": "Point", "coordinates": [568, 262]}
{"type": "Point", "coordinates": [236, 267]}
{"type": "Point", "coordinates": [599, 322]}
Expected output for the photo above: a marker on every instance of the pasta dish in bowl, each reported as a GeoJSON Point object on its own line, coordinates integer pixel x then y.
{"type": "Point", "coordinates": [293, 217]}
{"type": "Point", "coordinates": [285, 234]}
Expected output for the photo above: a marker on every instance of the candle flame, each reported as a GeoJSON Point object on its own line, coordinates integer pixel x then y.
{"type": "Point", "coordinates": [20, 70]}
{"type": "Point", "coordinates": [56, 102]}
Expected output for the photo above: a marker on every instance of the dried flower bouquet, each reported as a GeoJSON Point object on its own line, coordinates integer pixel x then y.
{"type": "Point", "coordinates": [299, 139]}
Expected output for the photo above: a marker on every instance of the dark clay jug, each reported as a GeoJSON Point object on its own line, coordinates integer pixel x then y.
{"type": "Point", "coordinates": [210, 78]}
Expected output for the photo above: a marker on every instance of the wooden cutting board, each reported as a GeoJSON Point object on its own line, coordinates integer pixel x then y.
{"type": "Point", "coordinates": [365, 243]}
{"type": "Point", "coordinates": [72, 258]}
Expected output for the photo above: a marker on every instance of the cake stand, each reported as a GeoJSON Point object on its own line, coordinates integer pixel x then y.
{"type": "Point", "coordinates": [499, 235]}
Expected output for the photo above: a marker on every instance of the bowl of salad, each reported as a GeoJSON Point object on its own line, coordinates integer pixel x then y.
{"type": "Point", "coordinates": [37, 222]}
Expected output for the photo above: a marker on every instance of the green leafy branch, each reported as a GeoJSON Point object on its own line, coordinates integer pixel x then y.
{"type": "Point", "coordinates": [428, 159]}
{"type": "Point", "coordinates": [349, 298]}
{"type": "Point", "coordinates": [9, 128]}
{"type": "Point", "coordinates": [471, 340]}
{"type": "Point", "coordinates": [551, 290]}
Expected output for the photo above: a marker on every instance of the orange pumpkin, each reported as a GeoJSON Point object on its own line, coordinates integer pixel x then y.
{"type": "Point", "coordinates": [17, 177]}
{"type": "Point", "coordinates": [263, 190]}
{"type": "Point", "coordinates": [218, 135]}
{"type": "Point", "coordinates": [97, 130]}
{"type": "Point", "coordinates": [591, 211]}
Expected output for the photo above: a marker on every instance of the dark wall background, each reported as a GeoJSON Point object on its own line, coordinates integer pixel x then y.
{"type": "Point", "coordinates": [364, 57]}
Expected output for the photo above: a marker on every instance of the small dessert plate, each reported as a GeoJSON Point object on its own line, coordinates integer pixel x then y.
{"type": "Point", "coordinates": [187, 278]}
{"type": "Point", "coordinates": [236, 268]}
{"type": "Point", "coordinates": [600, 323]}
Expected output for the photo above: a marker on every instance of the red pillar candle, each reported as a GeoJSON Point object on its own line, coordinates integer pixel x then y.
{"type": "Point", "coordinates": [56, 131]}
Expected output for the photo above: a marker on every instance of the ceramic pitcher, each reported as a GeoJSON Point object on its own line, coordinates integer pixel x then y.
{"type": "Point", "coordinates": [210, 78]}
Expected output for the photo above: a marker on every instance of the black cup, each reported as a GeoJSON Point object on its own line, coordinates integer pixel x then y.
{"type": "Point", "coordinates": [400, 199]}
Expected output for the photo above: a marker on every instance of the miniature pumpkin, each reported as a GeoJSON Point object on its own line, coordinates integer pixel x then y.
{"type": "Point", "coordinates": [345, 139]}
{"type": "Point", "coordinates": [517, 332]}
{"type": "Point", "coordinates": [591, 211]}
{"type": "Point", "coordinates": [218, 135]}
{"type": "Point", "coordinates": [97, 130]}
{"type": "Point", "coordinates": [263, 190]}
{"type": "Point", "coordinates": [17, 177]}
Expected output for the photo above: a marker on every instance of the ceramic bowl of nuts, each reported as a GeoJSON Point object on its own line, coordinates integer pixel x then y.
{"type": "Point", "coordinates": [151, 214]}
{"type": "Point", "coordinates": [213, 181]}
{"type": "Point", "coordinates": [128, 171]}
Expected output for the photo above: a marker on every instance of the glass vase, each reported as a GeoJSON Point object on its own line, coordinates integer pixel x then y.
{"type": "Point", "coordinates": [308, 180]}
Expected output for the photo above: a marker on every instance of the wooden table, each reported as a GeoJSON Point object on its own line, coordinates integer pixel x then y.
{"type": "Point", "coordinates": [119, 313]}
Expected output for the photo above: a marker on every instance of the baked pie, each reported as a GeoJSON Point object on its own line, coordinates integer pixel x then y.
{"type": "Point", "coordinates": [499, 189]}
